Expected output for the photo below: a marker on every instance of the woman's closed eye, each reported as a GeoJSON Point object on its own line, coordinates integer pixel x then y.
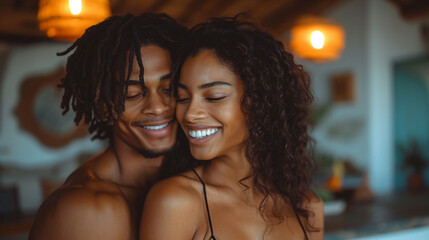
{"type": "Point", "coordinates": [182, 99]}
{"type": "Point", "coordinates": [215, 99]}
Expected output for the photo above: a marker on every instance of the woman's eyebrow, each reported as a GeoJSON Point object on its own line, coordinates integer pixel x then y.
{"type": "Point", "coordinates": [212, 84]}
{"type": "Point", "coordinates": [181, 85]}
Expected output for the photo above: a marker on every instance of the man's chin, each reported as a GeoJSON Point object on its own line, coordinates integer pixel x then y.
{"type": "Point", "coordinates": [154, 154]}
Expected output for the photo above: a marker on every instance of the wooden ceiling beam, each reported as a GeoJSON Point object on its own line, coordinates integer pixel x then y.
{"type": "Point", "coordinates": [265, 8]}
{"type": "Point", "coordinates": [158, 5]}
{"type": "Point", "coordinates": [190, 10]}
{"type": "Point", "coordinates": [413, 9]}
{"type": "Point", "coordinates": [136, 7]}
{"type": "Point", "coordinates": [199, 11]}
{"type": "Point", "coordinates": [283, 18]}
{"type": "Point", "coordinates": [24, 25]}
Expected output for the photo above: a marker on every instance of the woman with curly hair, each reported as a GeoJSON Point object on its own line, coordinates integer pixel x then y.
{"type": "Point", "coordinates": [244, 105]}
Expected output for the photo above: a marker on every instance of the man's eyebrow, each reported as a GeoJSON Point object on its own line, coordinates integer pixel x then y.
{"type": "Point", "coordinates": [165, 77]}
{"type": "Point", "coordinates": [133, 82]}
{"type": "Point", "coordinates": [212, 84]}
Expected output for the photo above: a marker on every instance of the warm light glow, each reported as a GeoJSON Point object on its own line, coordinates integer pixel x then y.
{"type": "Point", "coordinates": [317, 39]}
{"type": "Point", "coordinates": [68, 19]}
{"type": "Point", "coordinates": [75, 6]}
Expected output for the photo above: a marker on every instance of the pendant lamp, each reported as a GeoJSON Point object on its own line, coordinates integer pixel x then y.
{"type": "Point", "coordinates": [67, 20]}
{"type": "Point", "coordinates": [317, 39]}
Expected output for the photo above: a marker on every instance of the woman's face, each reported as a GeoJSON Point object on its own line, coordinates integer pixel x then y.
{"type": "Point", "coordinates": [209, 107]}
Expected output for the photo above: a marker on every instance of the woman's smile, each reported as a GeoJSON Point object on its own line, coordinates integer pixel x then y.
{"type": "Point", "coordinates": [209, 107]}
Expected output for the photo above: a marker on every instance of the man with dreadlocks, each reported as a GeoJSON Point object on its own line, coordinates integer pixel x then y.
{"type": "Point", "coordinates": [118, 82]}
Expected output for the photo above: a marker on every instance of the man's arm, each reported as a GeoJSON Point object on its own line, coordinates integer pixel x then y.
{"type": "Point", "coordinates": [82, 214]}
{"type": "Point", "coordinates": [170, 212]}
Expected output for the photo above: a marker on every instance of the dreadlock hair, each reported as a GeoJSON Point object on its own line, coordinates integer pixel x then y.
{"type": "Point", "coordinates": [95, 84]}
{"type": "Point", "coordinates": [276, 101]}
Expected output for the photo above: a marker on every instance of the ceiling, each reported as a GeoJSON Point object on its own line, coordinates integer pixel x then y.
{"type": "Point", "coordinates": [18, 18]}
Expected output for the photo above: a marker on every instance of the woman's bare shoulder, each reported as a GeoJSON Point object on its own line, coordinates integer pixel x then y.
{"type": "Point", "coordinates": [314, 203]}
{"type": "Point", "coordinates": [172, 209]}
{"type": "Point", "coordinates": [184, 188]}
{"type": "Point", "coordinates": [316, 219]}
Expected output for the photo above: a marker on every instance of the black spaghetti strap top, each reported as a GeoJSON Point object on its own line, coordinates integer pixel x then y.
{"type": "Point", "coordinates": [212, 237]}
{"type": "Point", "coordinates": [300, 223]}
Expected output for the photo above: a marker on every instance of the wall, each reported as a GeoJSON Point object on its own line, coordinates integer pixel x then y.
{"type": "Point", "coordinates": [390, 39]}
{"type": "Point", "coordinates": [352, 60]}
{"type": "Point", "coordinates": [376, 37]}
{"type": "Point", "coordinates": [26, 159]}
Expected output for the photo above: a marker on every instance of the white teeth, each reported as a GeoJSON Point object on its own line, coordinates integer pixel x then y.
{"type": "Point", "coordinates": [202, 133]}
{"type": "Point", "coordinates": [156, 127]}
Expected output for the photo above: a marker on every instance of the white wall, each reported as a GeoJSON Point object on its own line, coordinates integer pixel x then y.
{"type": "Point", "coordinates": [376, 37]}
{"type": "Point", "coordinates": [352, 16]}
{"type": "Point", "coordinates": [20, 150]}
{"type": "Point", "coordinates": [390, 39]}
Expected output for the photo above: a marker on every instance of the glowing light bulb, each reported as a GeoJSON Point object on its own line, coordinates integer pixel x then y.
{"type": "Point", "coordinates": [75, 6]}
{"type": "Point", "coordinates": [317, 39]}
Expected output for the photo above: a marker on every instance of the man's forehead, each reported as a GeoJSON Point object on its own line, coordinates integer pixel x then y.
{"type": "Point", "coordinates": [164, 77]}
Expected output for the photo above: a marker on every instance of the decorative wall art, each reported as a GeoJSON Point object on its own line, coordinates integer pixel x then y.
{"type": "Point", "coordinates": [40, 114]}
{"type": "Point", "coordinates": [342, 87]}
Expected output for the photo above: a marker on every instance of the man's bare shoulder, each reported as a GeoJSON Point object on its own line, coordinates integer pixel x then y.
{"type": "Point", "coordinates": [84, 208]}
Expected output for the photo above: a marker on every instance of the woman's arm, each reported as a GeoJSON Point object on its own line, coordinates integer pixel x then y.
{"type": "Point", "coordinates": [170, 212]}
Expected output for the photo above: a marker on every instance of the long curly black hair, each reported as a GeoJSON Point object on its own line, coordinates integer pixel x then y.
{"type": "Point", "coordinates": [95, 84]}
{"type": "Point", "coordinates": [276, 100]}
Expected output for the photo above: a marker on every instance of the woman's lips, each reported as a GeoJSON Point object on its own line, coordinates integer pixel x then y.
{"type": "Point", "coordinates": [201, 135]}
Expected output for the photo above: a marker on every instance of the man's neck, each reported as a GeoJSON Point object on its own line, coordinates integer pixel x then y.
{"type": "Point", "coordinates": [131, 168]}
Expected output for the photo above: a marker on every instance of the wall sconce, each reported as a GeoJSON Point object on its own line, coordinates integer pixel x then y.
{"type": "Point", "coordinates": [317, 39]}
{"type": "Point", "coordinates": [67, 20]}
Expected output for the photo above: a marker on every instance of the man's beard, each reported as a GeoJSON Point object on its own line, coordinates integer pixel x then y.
{"type": "Point", "coordinates": [152, 154]}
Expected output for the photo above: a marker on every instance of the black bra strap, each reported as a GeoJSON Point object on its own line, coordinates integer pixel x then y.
{"type": "Point", "coordinates": [300, 223]}
{"type": "Point", "coordinates": [207, 204]}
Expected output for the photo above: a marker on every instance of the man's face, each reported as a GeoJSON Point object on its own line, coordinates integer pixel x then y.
{"type": "Point", "coordinates": [148, 124]}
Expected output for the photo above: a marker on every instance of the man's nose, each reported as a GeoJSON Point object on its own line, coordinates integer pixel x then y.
{"type": "Point", "coordinates": [156, 104]}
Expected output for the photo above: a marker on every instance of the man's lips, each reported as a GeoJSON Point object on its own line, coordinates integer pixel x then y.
{"type": "Point", "coordinates": [156, 129]}
{"type": "Point", "coordinates": [152, 122]}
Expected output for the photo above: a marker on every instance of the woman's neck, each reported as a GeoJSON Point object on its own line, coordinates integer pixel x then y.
{"type": "Point", "coordinates": [231, 170]}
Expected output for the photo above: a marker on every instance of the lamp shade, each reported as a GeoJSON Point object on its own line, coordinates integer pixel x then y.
{"type": "Point", "coordinates": [68, 19]}
{"type": "Point", "coordinates": [317, 39]}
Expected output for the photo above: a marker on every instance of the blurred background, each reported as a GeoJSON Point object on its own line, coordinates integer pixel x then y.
{"type": "Point", "coordinates": [369, 65]}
